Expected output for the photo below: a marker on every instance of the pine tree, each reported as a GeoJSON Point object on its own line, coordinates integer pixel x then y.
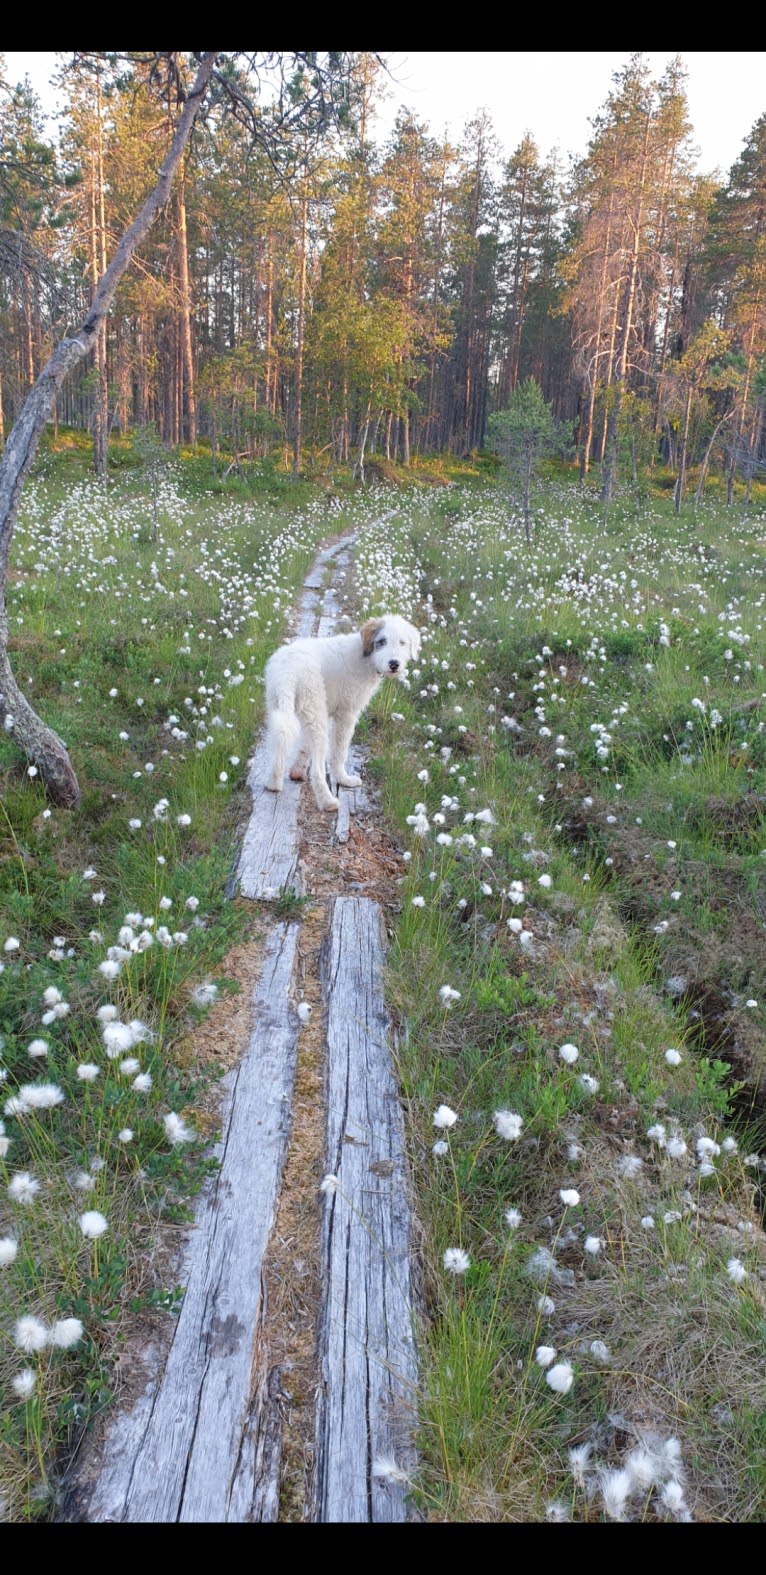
{"type": "Point", "coordinates": [627, 198]}
{"type": "Point", "coordinates": [737, 262]}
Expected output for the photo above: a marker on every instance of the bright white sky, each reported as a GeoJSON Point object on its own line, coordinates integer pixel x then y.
{"type": "Point", "coordinates": [552, 94]}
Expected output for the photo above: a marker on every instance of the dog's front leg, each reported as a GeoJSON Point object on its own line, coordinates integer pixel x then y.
{"type": "Point", "coordinates": [344, 723]}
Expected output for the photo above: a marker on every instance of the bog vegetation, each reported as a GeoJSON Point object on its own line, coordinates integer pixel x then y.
{"type": "Point", "coordinates": [575, 782]}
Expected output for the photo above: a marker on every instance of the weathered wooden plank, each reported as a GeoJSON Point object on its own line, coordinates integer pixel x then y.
{"type": "Point", "coordinates": [332, 609]}
{"type": "Point", "coordinates": [203, 1445]}
{"type": "Point", "coordinates": [367, 1344]}
{"type": "Point", "coordinates": [268, 861]}
{"type": "Point", "coordinates": [328, 617]}
{"type": "Point", "coordinates": [351, 800]}
{"type": "Point", "coordinates": [306, 615]}
{"type": "Point", "coordinates": [315, 578]}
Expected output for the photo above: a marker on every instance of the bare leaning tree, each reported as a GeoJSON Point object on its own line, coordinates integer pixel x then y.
{"type": "Point", "coordinates": [305, 90]}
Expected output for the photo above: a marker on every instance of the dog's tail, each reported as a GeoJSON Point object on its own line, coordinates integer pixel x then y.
{"type": "Point", "coordinates": [282, 736]}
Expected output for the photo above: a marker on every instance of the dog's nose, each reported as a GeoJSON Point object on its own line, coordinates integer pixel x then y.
{"type": "Point", "coordinates": [393, 666]}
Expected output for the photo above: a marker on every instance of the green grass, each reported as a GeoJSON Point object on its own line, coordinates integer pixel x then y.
{"type": "Point", "coordinates": [583, 868]}
{"type": "Point", "coordinates": [556, 690]}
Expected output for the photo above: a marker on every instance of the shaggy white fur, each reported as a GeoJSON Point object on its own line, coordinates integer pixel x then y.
{"type": "Point", "coordinates": [315, 692]}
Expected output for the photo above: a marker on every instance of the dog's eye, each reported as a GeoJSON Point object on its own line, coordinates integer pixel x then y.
{"type": "Point", "coordinates": [381, 641]}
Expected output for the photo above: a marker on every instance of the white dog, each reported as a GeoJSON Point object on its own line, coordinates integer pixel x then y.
{"type": "Point", "coordinates": [313, 683]}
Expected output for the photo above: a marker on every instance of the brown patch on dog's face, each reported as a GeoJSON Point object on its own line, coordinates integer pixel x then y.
{"type": "Point", "coordinates": [368, 632]}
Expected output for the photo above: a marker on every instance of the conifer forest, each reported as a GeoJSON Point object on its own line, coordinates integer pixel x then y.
{"type": "Point", "coordinates": [313, 293]}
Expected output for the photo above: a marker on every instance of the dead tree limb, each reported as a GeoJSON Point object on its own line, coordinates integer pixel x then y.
{"type": "Point", "coordinates": [40, 743]}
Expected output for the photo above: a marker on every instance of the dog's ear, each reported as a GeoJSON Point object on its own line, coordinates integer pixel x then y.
{"type": "Point", "coordinates": [368, 632]}
{"type": "Point", "coordinates": [415, 642]}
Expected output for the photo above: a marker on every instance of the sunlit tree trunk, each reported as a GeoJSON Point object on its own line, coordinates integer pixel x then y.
{"type": "Point", "coordinates": [301, 326]}
{"type": "Point", "coordinates": [187, 355]}
{"type": "Point", "coordinates": [98, 269]}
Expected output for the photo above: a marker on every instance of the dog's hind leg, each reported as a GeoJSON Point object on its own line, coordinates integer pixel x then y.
{"type": "Point", "coordinates": [299, 768]}
{"type": "Point", "coordinates": [280, 738]}
{"type": "Point", "coordinates": [344, 723]}
{"type": "Point", "coordinates": [315, 728]}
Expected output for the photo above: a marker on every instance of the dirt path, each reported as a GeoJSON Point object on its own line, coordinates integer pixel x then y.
{"type": "Point", "coordinates": [290, 1369]}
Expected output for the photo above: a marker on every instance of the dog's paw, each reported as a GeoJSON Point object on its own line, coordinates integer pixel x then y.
{"type": "Point", "coordinates": [273, 787]}
{"type": "Point", "coordinates": [329, 805]}
{"type": "Point", "coordinates": [349, 782]}
{"type": "Point", "coordinates": [297, 774]}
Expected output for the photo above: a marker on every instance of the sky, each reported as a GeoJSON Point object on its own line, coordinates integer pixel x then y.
{"type": "Point", "coordinates": [553, 94]}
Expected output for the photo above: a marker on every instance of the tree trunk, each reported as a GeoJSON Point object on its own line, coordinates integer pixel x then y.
{"type": "Point", "coordinates": [186, 333]}
{"type": "Point", "coordinates": [98, 269]}
{"type": "Point", "coordinates": [527, 498]}
{"type": "Point", "coordinates": [298, 437]}
{"type": "Point", "coordinates": [706, 459]}
{"type": "Point", "coordinates": [678, 490]}
{"type": "Point", "coordinates": [359, 467]}
{"type": "Point", "coordinates": [405, 431]}
{"type": "Point", "coordinates": [43, 747]}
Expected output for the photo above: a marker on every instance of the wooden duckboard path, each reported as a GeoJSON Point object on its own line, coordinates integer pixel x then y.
{"type": "Point", "coordinates": [193, 1448]}
{"type": "Point", "coordinates": [366, 1338]}
{"type": "Point", "coordinates": [203, 1443]}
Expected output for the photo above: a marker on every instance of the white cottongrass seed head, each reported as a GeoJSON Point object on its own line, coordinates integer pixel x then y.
{"type": "Point", "coordinates": [205, 994]}
{"type": "Point", "coordinates": [30, 1334]}
{"type": "Point", "coordinates": [508, 1124]}
{"type": "Point", "coordinates": [176, 1130]}
{"type": "Point", "coordinates": [93, 1224]}
{"type": "Point", "coordinates": [616, 1488]}
{"type": "Point", "coordinates": [560, 1377]}
{"type": "Point", "coordinates": [545, 1355]}
{"type": "Point", "coordinates": [24, 1383]}
{"type": "Point", "coordinates": [385, 1469]}
{"type": "Point", "coordinates": [8, 1249]}
{"type": "Point", "coordinates": [23, 1188]}
{"type": "Point", "coordinates": [66, 1332]}
{"type": "Point", "coordinates": [579, 1460]}
{"type": "Point", "coordinates": [456, 1261]}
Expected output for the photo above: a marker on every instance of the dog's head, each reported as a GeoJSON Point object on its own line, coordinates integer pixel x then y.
{"type": "Point", "coordinates": [390, 643]}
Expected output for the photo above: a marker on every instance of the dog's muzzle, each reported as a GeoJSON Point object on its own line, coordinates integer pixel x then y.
{"type": "Point", "coordinates": [393, 667]}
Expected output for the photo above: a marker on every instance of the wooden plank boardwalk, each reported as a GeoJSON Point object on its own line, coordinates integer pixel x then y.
{"type": "Point", "coordinates": [366, 1333]}
{"type": "Point", "coordinates": [203, 1443]}
{"type": "Point", "coordinates": [193, 1447]}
